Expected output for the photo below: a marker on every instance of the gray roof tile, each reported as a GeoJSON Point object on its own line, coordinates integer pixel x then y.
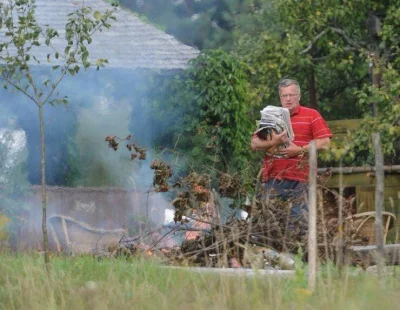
{"type": "Point", "coordinates": [129, 43]}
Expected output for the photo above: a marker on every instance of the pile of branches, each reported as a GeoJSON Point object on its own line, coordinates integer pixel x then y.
{"type": "Point", "coordinates": [238, 242]}
{"type": "Point", "coordinates": [268, 227]}
{"type": "Point", "coordinates": [230, 243]}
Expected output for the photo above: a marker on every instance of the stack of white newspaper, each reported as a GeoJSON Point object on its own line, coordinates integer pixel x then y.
{"type": "Point", "coordinates": [275, 119]}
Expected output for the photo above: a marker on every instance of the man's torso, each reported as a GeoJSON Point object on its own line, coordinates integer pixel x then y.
{"type": "Point", "coordinates": [307, 125]}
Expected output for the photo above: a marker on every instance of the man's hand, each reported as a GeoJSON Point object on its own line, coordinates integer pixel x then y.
{"type": "Point", "coordinates": [295, 150]}
{"type": "Point", "coordinates": [291, 151]}
{"type": "Point", "coordinates": [277, 139]}
{"type": "Point", "coordinates": [258, 144]}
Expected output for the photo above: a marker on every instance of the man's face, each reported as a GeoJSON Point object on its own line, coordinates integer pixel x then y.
{"type": "Point", "coordinates": [290, 99]}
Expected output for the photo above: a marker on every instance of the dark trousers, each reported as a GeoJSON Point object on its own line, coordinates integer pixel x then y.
{"type": "Point", "coordinates": [294, 192]}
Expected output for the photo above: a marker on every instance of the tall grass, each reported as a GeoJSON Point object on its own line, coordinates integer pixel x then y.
{"type": "Point", "coordinates": [89, 283]}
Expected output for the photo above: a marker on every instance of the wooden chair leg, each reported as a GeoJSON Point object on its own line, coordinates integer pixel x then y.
{"type": "Point", "coordinates": [386, 230]}
{"type": "Point", "coordinates": [54, 235]}
{"type": "Point", "coordinates": [64, 226]}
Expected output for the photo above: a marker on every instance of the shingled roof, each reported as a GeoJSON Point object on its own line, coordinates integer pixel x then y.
{"type": "Point", "coordinates": [130, 43]}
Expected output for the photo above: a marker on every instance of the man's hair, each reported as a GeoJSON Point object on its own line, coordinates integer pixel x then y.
{"type": "Point", "coordinates": [288, 82]}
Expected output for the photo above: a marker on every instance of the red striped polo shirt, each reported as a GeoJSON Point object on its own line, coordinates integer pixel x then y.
{"type": "Point", "coordinates": [307, 125]}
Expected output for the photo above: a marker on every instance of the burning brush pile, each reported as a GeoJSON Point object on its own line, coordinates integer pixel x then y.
{"type": "Point", "coordinates": [255, 242]}
{"type": "Point", "coordinates": [198, 237]}
{"type": "Point", "coordinates": [267, 238]}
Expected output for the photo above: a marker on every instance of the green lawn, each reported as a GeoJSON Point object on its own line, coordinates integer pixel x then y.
{"type": "Point", "coordinates": [89, 283]}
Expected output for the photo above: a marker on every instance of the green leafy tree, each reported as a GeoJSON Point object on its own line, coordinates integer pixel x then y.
{"type": "Point", "coordinates": [23, 35]}
{"type": "Point", "coordinates": [302, 44]}
{"type": "Point", "coordinates": [209, 106]}
{"type": "Point", "coordinates": [326, 45]}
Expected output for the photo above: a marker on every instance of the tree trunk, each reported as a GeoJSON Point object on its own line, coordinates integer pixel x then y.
{"type": "Point", "coordinates": [44, 198]}
{"type": "Point", "coordinates": [312, 91]}
{"type": "Point", "coordinates": [375, 77]}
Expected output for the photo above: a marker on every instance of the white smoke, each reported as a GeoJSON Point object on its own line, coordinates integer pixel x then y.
{"type": "Point", "coordinates": [98, 164]}
{"type": "Point", "coordinates": [14, 151]}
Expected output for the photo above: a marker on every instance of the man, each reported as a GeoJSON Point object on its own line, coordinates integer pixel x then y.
{"type": "Point", "coordinates": [286, 176]}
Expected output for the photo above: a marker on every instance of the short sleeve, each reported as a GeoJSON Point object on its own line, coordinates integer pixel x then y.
{"type": "Point", "coordinates": [319, 127]}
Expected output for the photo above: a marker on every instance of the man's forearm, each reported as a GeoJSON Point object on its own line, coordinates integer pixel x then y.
{"type": "Point", "coordinates": [258, 144]}
{"type": "Point", "coordinates": [320, 144]}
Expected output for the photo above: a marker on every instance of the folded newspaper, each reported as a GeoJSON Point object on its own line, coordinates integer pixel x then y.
{"type": "Point", "coordinates": [275, 119]}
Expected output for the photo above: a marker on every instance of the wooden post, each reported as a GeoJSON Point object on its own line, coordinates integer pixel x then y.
{"type": "Point", "coordinates": [312, 218]}
{"type": "Point", "coordinates": [380, 176]}
{"type": "Point", "coordinates": [340, 249]}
